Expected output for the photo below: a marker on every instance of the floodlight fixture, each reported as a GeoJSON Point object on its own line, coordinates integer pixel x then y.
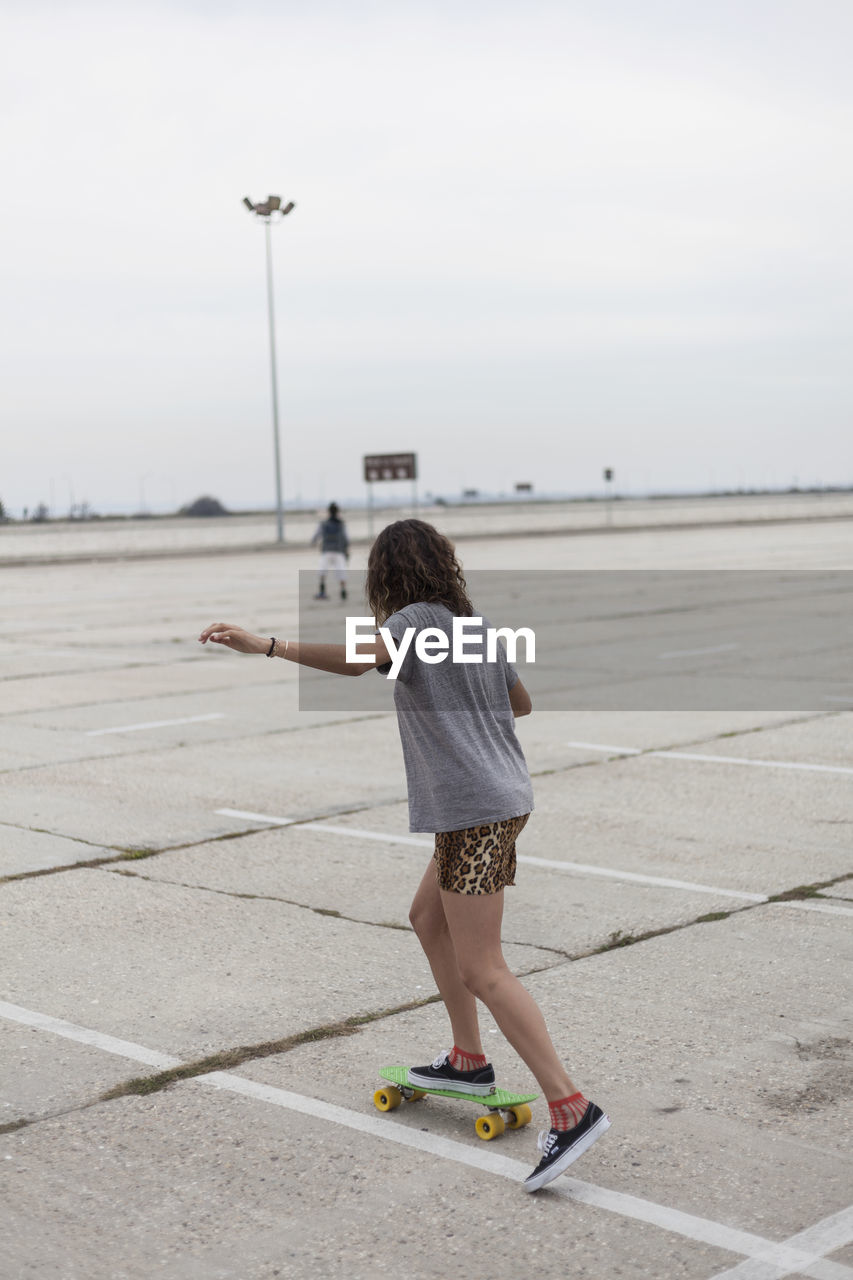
{"type": "Point", "coordinates": [265, 211]}
{"type": "Point", "coordinates": [266, 208]}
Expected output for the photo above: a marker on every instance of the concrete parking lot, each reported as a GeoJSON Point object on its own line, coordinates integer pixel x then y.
{"type": "Point", "coordinates": [206, 955]}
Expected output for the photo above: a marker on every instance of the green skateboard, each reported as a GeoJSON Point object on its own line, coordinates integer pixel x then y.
{"type": "Point", "coordinates": [505, 1110]}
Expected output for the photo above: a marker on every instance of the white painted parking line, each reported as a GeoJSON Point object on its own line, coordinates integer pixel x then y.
{"type": "Point", "coordinates": [273, 821]}
{"type": "Point", "coordinates": [828, 909]}
{"type": "Point", "coordinates": [634, 877]}
{"type": "Point", "coordinates": [382, 836]}
{"type": "Point", "coordinates": [825, 1269]}
{"type": "Point", "coordinates": [549, 864]}
{"type": "Point", "coordinates": [85, 1035]}
{"type": "Point", "coordinates": [707, 759]}
{"type": "Point", "coordinates": [824, 1237]}
{"type": "Point", "coordinates": [702, 1230]}
{"type": "Point", "coordinates": [256, 817]}
{"type": "Point", "coordinates": [155, 724]}
{"type": "Point", "coordinates": [756, 764]}
{"type": "Point", "coordinates": [698, 653]}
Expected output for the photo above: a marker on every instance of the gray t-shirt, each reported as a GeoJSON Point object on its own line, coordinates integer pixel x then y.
{"type": "Point", "coordinates": [464, 763]}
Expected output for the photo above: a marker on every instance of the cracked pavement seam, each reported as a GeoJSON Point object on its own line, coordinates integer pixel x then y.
{"type": "Point", "coordinates": [123, 853]}
{"type": "Point", "coordinates": [228, 1059]}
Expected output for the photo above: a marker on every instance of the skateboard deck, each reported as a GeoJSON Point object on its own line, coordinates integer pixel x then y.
{"type": "Point", "coordinates": [504, 1110]}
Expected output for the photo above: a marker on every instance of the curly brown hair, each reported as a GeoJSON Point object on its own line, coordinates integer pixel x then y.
{"type": "Point", "coordinates": [410, 563]}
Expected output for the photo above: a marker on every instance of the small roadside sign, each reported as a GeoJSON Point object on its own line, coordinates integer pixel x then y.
{"type": "Point", "coordinates": [390, 466]}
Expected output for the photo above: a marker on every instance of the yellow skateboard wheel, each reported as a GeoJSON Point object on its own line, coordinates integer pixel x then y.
{"type": "Point", "coordinates": [489, 1127]}
{"type": "Point", "coordinates": [417, 1095]}
{"type": "Point", "coordinates": [387, 1099]}
{"type": "Point", "coordinates": [519, 1116]}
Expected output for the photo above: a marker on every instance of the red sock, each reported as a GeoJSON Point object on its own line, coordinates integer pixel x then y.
{"type": "Point", "coordinates": [463, 1061]}
{"type": "Point", "coordinates": [567, 1112]}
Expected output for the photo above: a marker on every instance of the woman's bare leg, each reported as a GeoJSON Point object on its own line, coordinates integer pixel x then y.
{"type": "Point", "coordinates": [429, 923]}
{"type": "Point", "coordinates": [474, 923]}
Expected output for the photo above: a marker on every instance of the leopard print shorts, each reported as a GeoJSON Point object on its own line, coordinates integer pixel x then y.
{"type": "Point", "coordinates": [478, 859]}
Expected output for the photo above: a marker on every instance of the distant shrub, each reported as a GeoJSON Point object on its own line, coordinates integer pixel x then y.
{"type": "Point", "coordinates": [204, 506]}
{"type": "Point", "coordinates": [40, 514]}
{"type": "Point", "coordinates": [82, 511]}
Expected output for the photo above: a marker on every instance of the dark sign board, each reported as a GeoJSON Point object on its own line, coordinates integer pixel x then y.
{"type": "Point", "coordinates": [390, 466]}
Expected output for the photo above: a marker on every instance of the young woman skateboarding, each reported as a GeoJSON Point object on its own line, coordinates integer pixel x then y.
{"type": "Point", "coordinates": [467, 782]}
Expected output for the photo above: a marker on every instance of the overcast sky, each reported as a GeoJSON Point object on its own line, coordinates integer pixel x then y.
{"type": "Point", "coordinates": [530, 240]}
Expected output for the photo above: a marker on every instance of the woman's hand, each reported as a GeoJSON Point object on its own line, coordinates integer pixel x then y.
{"type": "Point", "coordinates": [237, 638]}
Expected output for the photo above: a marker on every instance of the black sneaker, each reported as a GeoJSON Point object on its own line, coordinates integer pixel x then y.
{"type": "Point", "coordinates": [441, 1075]}
{"type": "Point", "coordinates": [560, 1149]}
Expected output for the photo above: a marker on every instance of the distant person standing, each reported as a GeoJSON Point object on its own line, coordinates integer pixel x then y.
{"type": "Point", "coordinates": [331, 533]}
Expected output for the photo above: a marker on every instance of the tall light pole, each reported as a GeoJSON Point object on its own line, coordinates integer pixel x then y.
{"type": "Point", "coordinates": [271, 210]}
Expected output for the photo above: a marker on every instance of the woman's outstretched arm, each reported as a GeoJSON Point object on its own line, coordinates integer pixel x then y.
{"type": "Point", "coordinates": [323, 657]}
